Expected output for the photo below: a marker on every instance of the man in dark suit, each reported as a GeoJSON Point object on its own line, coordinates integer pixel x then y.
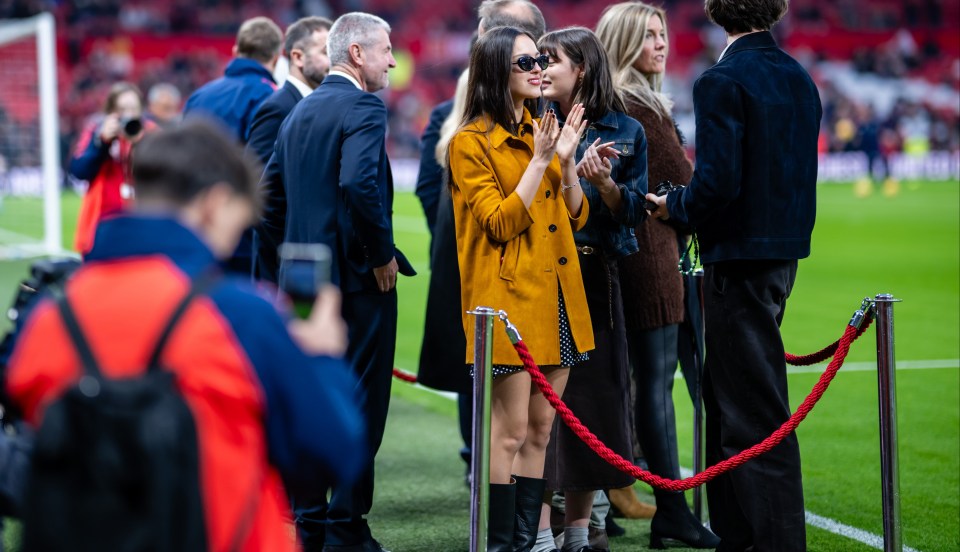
{"type": "Point", "coordinates": [305, 46]}
{"type": "Point", "coordinates": [752, 201]}
{"type": "Point", "coordinates": [332, 161]}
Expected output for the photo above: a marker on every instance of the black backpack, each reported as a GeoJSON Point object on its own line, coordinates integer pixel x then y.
{"type": "Point", "coordinates": [115, 464]}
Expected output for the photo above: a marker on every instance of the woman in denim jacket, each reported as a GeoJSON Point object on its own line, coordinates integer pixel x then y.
{"type": "Point", "coordinates": [612, 165]}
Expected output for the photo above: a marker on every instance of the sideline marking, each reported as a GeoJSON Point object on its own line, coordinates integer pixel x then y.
{"type": "Point", "coordinates": [837, 528]}
{"type": "Point", "coordinates": [872, 366]}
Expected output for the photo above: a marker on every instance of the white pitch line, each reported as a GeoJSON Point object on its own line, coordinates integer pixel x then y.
{"type": "Point", "coordinates": [859, 535]}
{"type": "Point", "coordinates": [941, 364]}
{"type": "Point", "coordinates": [872, 366]}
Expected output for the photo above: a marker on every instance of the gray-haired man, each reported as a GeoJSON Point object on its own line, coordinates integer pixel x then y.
{"type": "Point", "coordinates": [331, 158]}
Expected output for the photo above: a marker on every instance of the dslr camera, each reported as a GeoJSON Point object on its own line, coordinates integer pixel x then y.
{"type": "Point", "coordinates": [131, 126]}
{"type": "Point", "coordinates": [663, 188]}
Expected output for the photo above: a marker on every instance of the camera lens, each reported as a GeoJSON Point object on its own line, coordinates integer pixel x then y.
{"type": "Point", "coordinates": [665, 188]}
{"type": "Point", "coordinates": [132, 127]}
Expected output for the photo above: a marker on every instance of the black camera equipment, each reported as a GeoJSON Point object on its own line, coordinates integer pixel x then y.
{"type": "Point", "coordinates": [663, 188]}
{"type": "Point", "coordinates": [131, 126]}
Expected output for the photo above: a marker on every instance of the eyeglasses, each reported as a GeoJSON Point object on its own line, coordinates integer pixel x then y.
{"type": "Point", "coordinates": [526, 63]}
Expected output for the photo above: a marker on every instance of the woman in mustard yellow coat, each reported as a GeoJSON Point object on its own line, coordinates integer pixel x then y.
{"type": "Point", "coordinates": [517, 201]}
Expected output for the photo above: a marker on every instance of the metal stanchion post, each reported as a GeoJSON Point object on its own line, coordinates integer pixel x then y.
{"type": "Point", "coordinates": [480, 446]}
{"type": "Point", "coordinates": [698, 454]}
{"type": "Point", "coordinates": [887, 386]}
{"type": "Point", "coordinates": [698, 409]}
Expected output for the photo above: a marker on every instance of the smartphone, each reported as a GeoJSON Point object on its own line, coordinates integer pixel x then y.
{"type": "Point", "coordinates": [304, 270]}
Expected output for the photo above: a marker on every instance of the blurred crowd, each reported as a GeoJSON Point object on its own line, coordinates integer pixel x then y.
{"type": "Point", "coordinates": [432, 40]}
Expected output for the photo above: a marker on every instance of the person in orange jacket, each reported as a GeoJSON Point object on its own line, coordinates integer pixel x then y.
{"type": "Point", "coordinates": [102, 158]}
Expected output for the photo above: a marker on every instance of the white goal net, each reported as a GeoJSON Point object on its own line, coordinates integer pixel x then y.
{"type": "Point", "coordinates": [30, 172]}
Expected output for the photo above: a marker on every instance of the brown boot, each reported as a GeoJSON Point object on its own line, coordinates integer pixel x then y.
{"type": "Point", "coordinates": [629, 505]}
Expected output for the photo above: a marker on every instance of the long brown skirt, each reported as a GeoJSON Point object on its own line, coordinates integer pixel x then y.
{"type": "Point", "coordinates": [598, 392]}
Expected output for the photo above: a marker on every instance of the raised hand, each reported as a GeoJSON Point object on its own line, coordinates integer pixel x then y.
{"type": "Point", "coordinates": [110, 128]}
{"type": "Point", "coordinates": [571, 133]}
{"type": "Point", "coordinates": [606, 150]}
{"type": "Point", "coordinates": [545, 136]}
{"type": "Point", "coordinates": [596, 168]}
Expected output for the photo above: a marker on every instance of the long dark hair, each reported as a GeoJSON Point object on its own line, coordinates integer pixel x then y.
{"type": "Point", "coordinates": [488, 90]}
{"type": "Point", "coordinates": [595, 89]}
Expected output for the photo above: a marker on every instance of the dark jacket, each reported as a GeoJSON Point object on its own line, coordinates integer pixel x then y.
{"type": "Point", "coordinates": [430, 175]}
{"type": "Point", "coordinates": [263, 136]}
{"type": "Point", "coordinates": [266, 121]}
{"type": "Point", "coordinates": [234, 98]}
{"type": "Point", "coordinates": [613, 232]}
{"type": "Point", "coordinates": [331, 158]}
{"type": "Point", "coordinates": [753, 193]}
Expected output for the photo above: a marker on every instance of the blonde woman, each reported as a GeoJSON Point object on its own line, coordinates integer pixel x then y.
{"type": "Point", "coordinates": [635, 37]}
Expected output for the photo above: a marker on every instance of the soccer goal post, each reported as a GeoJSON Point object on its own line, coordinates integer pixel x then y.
{"type": "Point", "coordinates": [30, 174]}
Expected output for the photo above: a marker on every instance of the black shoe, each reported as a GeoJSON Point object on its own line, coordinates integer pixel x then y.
{"type": "Point", "coordinates": [529, 501]}
{"type": "Point", "coordinates": [500, 521]}
{"type": "Point", "coordinates": [684, 528]}
{"type": "Point", "coordinates": [613, 530]}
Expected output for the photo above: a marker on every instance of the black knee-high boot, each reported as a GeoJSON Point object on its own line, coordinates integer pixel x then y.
{"type": "Point", "coordinates": [654, 363]}
{"type": "Point", "coordinates": [529, 501]}
{"type": "Point", "coordinates": [500, 521]}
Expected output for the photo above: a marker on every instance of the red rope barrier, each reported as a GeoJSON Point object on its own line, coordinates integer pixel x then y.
{"type": "Point", "coordinates": [404, 376]}
{"type": "Point", "coordinates": [842, 348]}
{"type": "Point", "coordinates": [826, 352]}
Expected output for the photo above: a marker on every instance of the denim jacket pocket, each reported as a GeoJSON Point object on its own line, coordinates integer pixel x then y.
{"type": "Point", "coordinates": [625, 147]}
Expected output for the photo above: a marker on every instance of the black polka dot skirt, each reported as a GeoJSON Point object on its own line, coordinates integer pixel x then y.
{"type": "Point", "coordinates": [569, 355]}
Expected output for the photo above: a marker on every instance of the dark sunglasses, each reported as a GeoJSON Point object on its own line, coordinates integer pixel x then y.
{"type": "Point", "coordinates": [526, 63]}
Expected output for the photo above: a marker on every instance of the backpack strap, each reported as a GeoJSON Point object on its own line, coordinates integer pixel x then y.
{"type": "Point", "coordinates": [80, 343]}
{"type": "Point", "coordinates": [200, 285]}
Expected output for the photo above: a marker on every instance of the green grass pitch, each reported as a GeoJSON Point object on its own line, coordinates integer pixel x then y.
{"type": "Point", "coordinates": [908, 245]}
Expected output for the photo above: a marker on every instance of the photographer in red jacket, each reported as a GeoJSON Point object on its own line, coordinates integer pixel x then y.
{"type": "Point", "coordinates": [102, 158]}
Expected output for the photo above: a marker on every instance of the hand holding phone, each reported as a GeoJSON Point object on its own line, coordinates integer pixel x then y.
{"type": "Point", "coordinates": [323, 332]}
{"type": "Point", "coordinates": [304, 271]}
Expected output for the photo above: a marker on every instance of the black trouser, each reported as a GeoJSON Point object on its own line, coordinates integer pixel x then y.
{"type": "Point", "coordinates": [745, 395]}
{"type": "Point", "coordinates": [372, 326]}
{"type": "Point", "coordinates": [653, 355]}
